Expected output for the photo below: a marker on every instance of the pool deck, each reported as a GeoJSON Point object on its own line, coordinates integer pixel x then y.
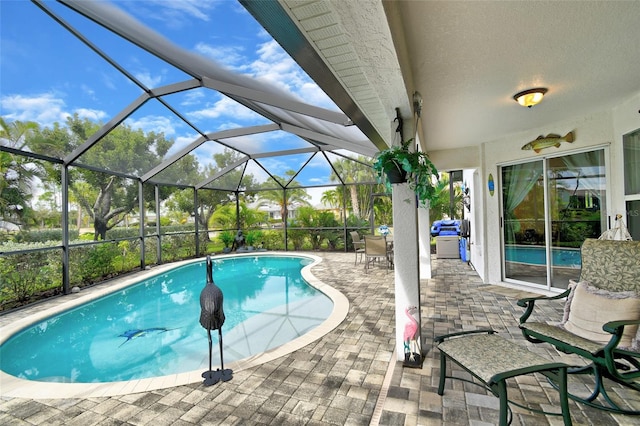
{"type": "Point", "coordinates": [347, 377]}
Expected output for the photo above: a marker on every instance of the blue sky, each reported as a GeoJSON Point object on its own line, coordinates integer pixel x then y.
{"type": "Point", "coordinates": [48, 74]}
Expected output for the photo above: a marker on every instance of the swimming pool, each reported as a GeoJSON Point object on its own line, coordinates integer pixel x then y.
{"type": "Point", "coordinates": [536, 255]}
{"type": "Point", "coordinates": [151, 329]}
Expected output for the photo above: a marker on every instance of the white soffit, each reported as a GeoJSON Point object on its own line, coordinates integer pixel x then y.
{"type": "Point", "coordinates": [360, 54]}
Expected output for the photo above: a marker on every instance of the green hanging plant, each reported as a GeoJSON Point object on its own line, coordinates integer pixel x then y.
{"type": "Point", "coordinates": [415, 167]}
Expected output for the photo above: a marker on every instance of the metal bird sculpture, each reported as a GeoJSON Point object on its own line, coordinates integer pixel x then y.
{"type": "Point", "coordinates": [212, 318]}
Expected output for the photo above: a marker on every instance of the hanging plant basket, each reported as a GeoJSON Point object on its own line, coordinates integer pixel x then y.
{"type": "Point", "coordinates": [398, 164]}
{"type": "Point", "coordinates": [396, 174]}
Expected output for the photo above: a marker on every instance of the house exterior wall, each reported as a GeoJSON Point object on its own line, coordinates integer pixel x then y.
{"type": "Point", "coordinates": [471, 177]}
{"type": "Point", "coordinates": [604, 128]}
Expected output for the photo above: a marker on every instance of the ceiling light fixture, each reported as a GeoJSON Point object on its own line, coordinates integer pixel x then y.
{"type": "Point", "coordinates": [530, 97]}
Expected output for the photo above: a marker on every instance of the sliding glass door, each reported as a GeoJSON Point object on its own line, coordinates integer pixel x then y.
{"type": "Point", "coordinates": [523, 222]}
{"type": "Point", "coordinates": [549, 207]}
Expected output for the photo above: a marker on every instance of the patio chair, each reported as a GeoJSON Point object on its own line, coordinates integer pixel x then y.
{"type": "Point", "coordinates": [375, 248]}
{"type": "Point", "coordinates": [601, 318]}
{"type": "Point", "coordinates": [358, 245]}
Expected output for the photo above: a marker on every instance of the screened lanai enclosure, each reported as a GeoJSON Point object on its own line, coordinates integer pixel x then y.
{"type": "Point", "coordinates": [143, 149]}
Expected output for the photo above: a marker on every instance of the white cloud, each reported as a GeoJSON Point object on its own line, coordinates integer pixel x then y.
{"type": "Point", "coordinates": [91, 114]}
{"type": "Point", "coordinates": [192, 97]}
{"type": "Point", "coordinates": [88, 91]}
{"type": "Point", "coordinates": [151, 123]}
{"type": "Point", "coordinates": [276, 166]}
{"type": "Point", "coordinates": [225, 107]}
{"type": "Point", "coordinates": [230, 56]}
{"type": "Point", "coordinates": [44, 108]}
{"type": "Point", "coordinates": [190, 8]}
{"type": "Point", "coordinates": [182, 141]}
{"type": "Point", "coordinates": [276, 67]}
{"type": "Point", "coordinates": [312, 94]}
{"type": "Point", "coordinates": [174, 14]}
{"type": "Point", "coordinates": [272, 66]}
{"type": "Point", "coordinates": [148, 80]}
{"type": "Point", "coordinates": [185, 139]}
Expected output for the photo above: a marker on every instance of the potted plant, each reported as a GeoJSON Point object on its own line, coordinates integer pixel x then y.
{"type": "Point", "coordinates": [227, 239]}
{"type": "Point", "coordinates": [398, 164]}
{"type": "Point", "coordinates": [250, 239]}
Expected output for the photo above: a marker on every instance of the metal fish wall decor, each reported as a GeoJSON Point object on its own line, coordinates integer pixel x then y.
{"type": "Point", "coordinates": [542, 142]}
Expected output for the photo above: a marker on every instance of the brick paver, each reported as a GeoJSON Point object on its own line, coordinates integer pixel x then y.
{"type": "Point", "coordinates": [338, 379]}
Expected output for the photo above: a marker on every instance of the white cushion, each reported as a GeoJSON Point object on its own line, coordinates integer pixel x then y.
{"type": "Point", "coordinates": [590, 308]}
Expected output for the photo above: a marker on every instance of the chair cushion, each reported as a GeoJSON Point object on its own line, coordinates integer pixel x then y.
{"type": "Point", "coordinates": [589, 308]}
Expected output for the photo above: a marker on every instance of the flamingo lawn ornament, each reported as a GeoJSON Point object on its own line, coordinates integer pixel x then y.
{"type": "Point", "coordinates": [412, 352]}
{"type": "Point", "coordinates": [212, 318]}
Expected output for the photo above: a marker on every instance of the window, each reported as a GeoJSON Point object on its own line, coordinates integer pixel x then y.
{"type": "Point", "coordinates": [631, 153]}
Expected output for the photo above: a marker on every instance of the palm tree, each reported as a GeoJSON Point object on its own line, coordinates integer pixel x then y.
{"type": "Point", "coordinates": [439, 206]}
{"type": "Point", "coordinates": [331, 197]}
{"type": "Point", "coordinates": [354, 172]}
{"type": "Point", "coordinates": [17, 172]}
{"type": "Point", "coordinates": [295, 194]}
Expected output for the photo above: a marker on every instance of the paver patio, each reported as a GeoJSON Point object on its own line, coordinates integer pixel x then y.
{"type": "Point", "coordinates": [347, 377]}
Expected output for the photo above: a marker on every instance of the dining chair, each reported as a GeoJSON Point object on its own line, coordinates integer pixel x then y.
{"type": "Point", "coordinates": [375, 248]}
{"type": "Point", "coordinates": [358, 245]}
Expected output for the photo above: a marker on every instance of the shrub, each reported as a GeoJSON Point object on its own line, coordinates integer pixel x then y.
{"type": "Point", "coordinates": [25, 274]}
{"type": "Point", "coordinates": [42, 235]}
{"type": "Point", "coordinates": [273, 240]}
{"type": "Point", "coordinates": [297, 237]}
{"type": "Point", "coordinates": [226, 237]}
{"type": "Point", "coordinates": [99, 261]}
{"type": "Point", "coordinates": [252, 237]}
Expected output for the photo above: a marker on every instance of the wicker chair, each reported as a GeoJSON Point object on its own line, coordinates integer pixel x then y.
{"type": "Point", "coordinates": [358, 245]}
{"type": "Point", "coordinates": [375, 248]}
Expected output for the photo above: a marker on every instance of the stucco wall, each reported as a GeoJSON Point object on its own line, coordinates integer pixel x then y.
{"type": "Point", "coordinates": [604, 128]}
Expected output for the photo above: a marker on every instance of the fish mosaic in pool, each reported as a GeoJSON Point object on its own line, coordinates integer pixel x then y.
{"type": "Point", "coordinates": [152, 328]}
{"type": "Point", "coordinates": [132, 334]}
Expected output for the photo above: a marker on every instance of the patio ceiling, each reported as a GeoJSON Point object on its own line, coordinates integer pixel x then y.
{"type": "Point", "coordinates": [466, 58]}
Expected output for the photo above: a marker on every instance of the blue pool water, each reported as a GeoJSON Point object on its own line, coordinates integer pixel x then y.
{"type": "Point", "coordinates": [535, 255]}
{"type": "Point", "coordinates": [152, 328]}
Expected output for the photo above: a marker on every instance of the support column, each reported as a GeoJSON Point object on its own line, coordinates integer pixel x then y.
{"type": "Point", "coordinates": [65, 228]}
{"type": "Point", "coordinates": [407, 276]}
{"type": "Point", "coordinates": [156, 192]}
{"type": "Point", "coordinates": [196, 226]}
{"type": "Point", "coordinates": [424, 242]}
{"type": "Point", "coordinates": [141, 223]}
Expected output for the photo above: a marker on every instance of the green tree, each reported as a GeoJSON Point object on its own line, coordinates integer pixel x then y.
{"type": "Point", "coordinates": [110, 198]}
{"type": "Point", "coordinates": [222, 192]}
{"type": "Point", "coordinates": [316, 223]}
{"type": "Point", "coordinates": [353, 173]}
{"type": "Point", "coordinates": [331, 197]}
{"type": "Point", "coordinates": [294, 192]}
{"type": "Point", "coordinates": [383, 210]}
{"type": "Point", "coordinates": [225, 217]}
{"type": "Point", "coordinates": [439, 206]}
{"type": "Point", "coordinates": [18, 173]}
